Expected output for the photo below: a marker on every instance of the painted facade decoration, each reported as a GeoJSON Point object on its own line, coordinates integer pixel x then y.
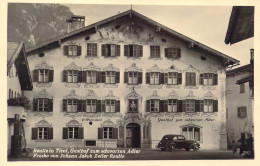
{"type": "Point", "coordinates": [128, 79]}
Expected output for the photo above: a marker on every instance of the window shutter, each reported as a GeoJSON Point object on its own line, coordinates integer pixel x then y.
{"type": "Point", "coordinates": [140, 51]}
{"type": "Point", "coordinates": [51, 74]}
{"type": "Point", "coordinates": [183, 105]}
{"type": "Point", "coordinates": [98, 77]}
{"type": "Point", "coordinates": [103, 77]}
{"type": "Point", "coordinates": [201, 79]}
{"type": "Point", "coordinates": [66, 50]}
{"type": "Point", "coordinates": [147, 105]}
{"type": "Point", "coordinates": [117, 50]}
{"type": "Point", "coordinates": [215, 106]}
{"type": "Point", "coordinates": [103, 106]}
{"type": "Point", "coordinates": [35, 75]}
{"type": "Point", "coordinates": [201, 105]}
{"type": "Point", "coordinates": [117, 105]}
{"type": "Point", "coordinates": [84, 76]}
{"type": "Point", "coordinates": [81, 133]}
{"type": "Point", "coordinates": [65, 76]}
{"type": "Point", "coordinates": [79, 105]}
{"type": "Point", "coordinates": [50, 105]}
{"type": "Point", "coordinates": [84, 106]}
{"type": "Point", "coordinates": [98, 106]}
{"type": "Point", "coordinates": [238, 112]}
{"type": "Point", "coordinates": [34, 133]}
{"type": "Point", "coordinates": [215, 79]}
{"type": "Point", "coordinates": [140, 77]}
{"type": "Point", "coordinates": [161, 81]}
{"type": "Point", "coordinates": [147, 78]}
{"type": "Point", "coordinates": [117, 77]}
{"type": "Point", "coordinates": [103, 50]}
{"type": "Point", "coordinates": [35, 104]}
{"type": "Point", "coordinates": [115, 133]}
{"type": "Point", "coordinates": [166, 51]}
{"type": "Point", "coordinates": [100, 133]}
{"type": "Point", "coordinates": [197, 105]}
{"type": "Point", "coordinates": [179, 78]}
{"type": "Point", "coordinates": [79, 76]}
{"type": "Point", "coordinates": [50, 133]}
{"type": "Point", "coordinates": [78, 50]}
{"type": "Point", "coordinates": [165, 78]}
{"type": "Point", "coordinates": [161, 105]}
{"type": "Point", "coordinates": [64, 107]}
{"type": "Point", "coordinates": [179, 52]}
{"type": "Point", "coordinates": [165, 106]}
{"type": "Point", "coordinates": [193, 79]}
{"type": "Point", "coordinates": [179, 105]}
{"type": "Point", "coordinates": [126, 50]}
{"type": "Point", "coordinates": [65, 133]}
{"type": "Point", "coordinates": [126, 77]}
{"type": "Point", "coordinates": [187, 79]}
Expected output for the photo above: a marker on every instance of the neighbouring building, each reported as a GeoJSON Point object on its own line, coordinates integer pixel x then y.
{"type": "Point", "coordinates": [18, 81]}
{"type": "Point", "coordinates": [240, 100]}
{"type": "Point", "coordinates": [126, 81]}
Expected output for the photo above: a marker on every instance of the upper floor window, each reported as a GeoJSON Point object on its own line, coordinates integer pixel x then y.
{"type": "Point", "coordinates": [43, 104]}
{"type": "Point", "coordinates": [91, 49]}
{"type": "Point", "coordinates": [208, 79]}
{"type": "Point", "coordinates": [73, 133]}
{"type": "Point", "coordinates": [242, 88]}
{"type": "Point", "coordinates": [110, 106]}
{"type": "Point", "coordinates": [91, 77]}
{"type": "Point", "coordinates": [133, 78]}
{"type": "Point", "coordinates": [155, 51]}
{"type": "Point", "coordinates": [154, 105]}
{"type": "Point", "coordinates": [189, 106]}
{"type": "Point", "coordinates": [42, 133]}
{"type": "Point", "coordinates": [208, 105]}
{"type": "Point", "coordinates": [190, 79]}
{"type": "Point", "coordinates": [110, 50]}
{"type": "Point", "coordinates": [72, 76]}
{"type": "Point", "coordinates": [133, 50]}
{"type": "Point", "coordinates": [172, 105]}
{"type": "Point", "coordinates": [173, 78]}
{"type": "Point", "coordinates": [242, 112]}
{"type": "Point", "coordinates": [110, 77]}
{"type": "Point", "coordinates": [133, 105]}
{"type": "Point", "coordinates": [91, 105]}
{"type": "Point", "coordinates": [172, 53]}
{"type": "Point", "coordinates": [72, 105]}
{"type": "Point", "coordinates": [72, 50]}
{"type": "Point", "coordinates": [43, 75]}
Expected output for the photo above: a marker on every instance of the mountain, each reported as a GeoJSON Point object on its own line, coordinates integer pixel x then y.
{"type": "Point", "coordinates": [35, 23]}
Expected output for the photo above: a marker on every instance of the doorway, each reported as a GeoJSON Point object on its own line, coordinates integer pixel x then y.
{"type": "Point", "coordinates": [133, 136]}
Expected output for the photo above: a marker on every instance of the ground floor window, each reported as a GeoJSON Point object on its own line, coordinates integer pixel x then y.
{"type": "Point", "coordinates": [42, 133]}
{"type": "Point", "coordinates": [108, 133]}
{"type": "Point", "coordinates": [73, 133]}
{"type": "Point", "coordinates": [191, 133]}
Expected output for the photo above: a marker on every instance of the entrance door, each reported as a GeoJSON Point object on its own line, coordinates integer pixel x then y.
{"type": "Point", "coordinates": [133, 135]}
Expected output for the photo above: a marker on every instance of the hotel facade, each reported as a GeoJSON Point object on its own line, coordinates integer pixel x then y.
{"type": "Point", "coordinates": [125, 81]}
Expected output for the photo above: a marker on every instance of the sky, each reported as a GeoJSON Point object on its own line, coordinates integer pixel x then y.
{"type": "Point", "coordinates": [205, 24]}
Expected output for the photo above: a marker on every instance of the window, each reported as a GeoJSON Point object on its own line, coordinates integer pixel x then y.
{"type": "Point", "coordinates": [191, 133]}
{"type": "Point", "coordinates": [242, 88]}
{"type": "Point", "coordinates": [43, 75]}
{"type": "Point", "coordinates": [42, 104]}
{"type": "Point", "coordinates": [72, 105]}
{"type": "Point", "coordinates": [190, 79]}
{"type": "Point", "coordinates": [172, 52]}
{"type": "Point", "coordinates": [108, 133]}
{"type": "Point", "coordinates": [73, 132]}
{"type": "Point", "coordinates": [132, 77]}
{"type": "Point", "coordinates": [110, 50]}
{"type": "Point", "coordinates": [208, 105]}
{"type": "Point", "coordinates": [133, 105]}
{"type": "Point", "coordinates": [190, 105]}
{"type": "Point", "coordinates": [72, 76]}
{"type": "Point", "coordinates": [154, 106]}
{"type": "Point", "coordinates": [133, 50]}
{"type": "Point", "coordinates": [242, 112]}
{"type": "Point", "coordinates": [172, 105]}
{"type": "Point", "coordinates": [110, 105]}
{"type": "Point", "coordinates": [155, 51]}
{"type": "Point", "coordinates": [72, 50]}
{"type": "Point", "coordinates": [173, 78]}
{"type": "Point", "coordinates": [154, 78]}
{"type": "Point", "coordinates": [42, 133]}
{"type": "Point", "coordinates": [208, 79]}
{"type": "Point", "coordinates": [91, 77]}
{"type": "Point", "coordinates": [91, 105]}
{"type": "Point", "coordinates": [91, 49]}
{"type": "Point", "coordinates": [110, 77]}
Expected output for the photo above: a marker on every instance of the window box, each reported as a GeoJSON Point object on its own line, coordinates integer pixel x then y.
{"type": "Point", "coordinates": [20, 101]}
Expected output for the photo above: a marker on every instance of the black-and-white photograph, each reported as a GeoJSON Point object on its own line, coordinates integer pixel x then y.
{"type": "Point", "coordinates": [129, 82]}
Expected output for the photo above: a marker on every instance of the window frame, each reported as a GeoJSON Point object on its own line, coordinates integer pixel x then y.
{"type": "Point", "coordinates": [155, 51]}
{"type": "Point", "coordinates": [242, 111]}
{"type": "Point", "coordinates": [187, 136]}
{"type": "Point", "coordinates": [74, 132]}
{"type": "Point", "coordinates": [189, 104]}
{"type": "Point", "coordinates": [188, 75]}
{"type": "Point", "coordinates": [44, 133]}
{"type": "Point", "coordinates": [206, 104]}
{"type": "Point", "coordinates": [92, 49]}
{"type": "Point", "coordinates": [173, 52]}
{"type": "Point", "coordinates": [74, 76]}
{"type": "Point", "coordinates": [93, 105]}
{"type": "Point", "coordinates": [154, 79]}
{"type": "Point", "coordinates": [171, 103]}
{"type": "Point", "coordinates": [109, 76]}
{"type": "Point", "coordinates": [134, 75]}
{"type": "Point", "coordinates": [136, 109]}
{"type": "Point", "coordinates": [74, 104]}
{"type": "Point", "coordinates": [91, 77]}
{"type": "Point", "coordinates": [110, 104]}
{"type": "Point", "coordinates": [108, 131]}
{"type": "Point", "coordinates": [72, 50]}
{"type": "Point", "coordinates": [156, 103]}
{"type": "Point", "coordinates": [173, 75]}
{"type": "Point", "coordinates": [45, 105]}
{"type": "Point", "coordinates": [45, 75]}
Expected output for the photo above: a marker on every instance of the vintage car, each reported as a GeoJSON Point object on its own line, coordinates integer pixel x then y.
{"type": "Point", "coordinates": [173, 142]}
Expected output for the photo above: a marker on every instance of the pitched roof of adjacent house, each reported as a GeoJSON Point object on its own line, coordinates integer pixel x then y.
{"type": "Point", "coordinates": [246, 68]}
{"type": "Point", "coordinates": [55, 42]}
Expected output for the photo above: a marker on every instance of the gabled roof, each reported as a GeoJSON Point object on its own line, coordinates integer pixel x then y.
{"type": "Point", "coordinates": [245, 68]}
{"type": "Point", "coordinates": [55, 42]}
{"type": "Point", "coordinates": [16, 55]}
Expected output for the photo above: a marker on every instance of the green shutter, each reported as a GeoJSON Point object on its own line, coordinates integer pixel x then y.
{"type": "Point", "coordinates": [64, 105]}
{"type": "Point", "coordinates": [215, 106]}
{"type": "Point", "coordinates": [51, 75]}
{"type": "Point", "coordinates": [35, 75]}
{"type": "Point", "coordinates": [50, 133]}
{"type": "Point", "coordinates": [66, 50]}
{"type": "Point", "coordinates": [147, 78]}
{"type": "Point", "coordinates": [65, 76]}
{"type": "Point", "coordinates": [81, 133]}
{"type": "Point", "coordinates": [50, 105]}
{"type": "Point", "coordinates": [78, 50]}
{"type": "Point", "coordinates": [115, 133]}
{"type": "Point", "coordinates": [35, 104]}
{"type": "Point", "coordinates": [34, 133]}
{"type": "Point", "coordinates": [147, 105]}
{"type": "Point", "coordinates": [65, 133]}
{"type": "Point", "coordinates": [100, 133]}
{"type": "Point", "coordinates": [179, 78]}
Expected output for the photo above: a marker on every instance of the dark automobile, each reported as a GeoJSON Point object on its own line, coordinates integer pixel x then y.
{"type": "Point", "coordinates": [173, 142]}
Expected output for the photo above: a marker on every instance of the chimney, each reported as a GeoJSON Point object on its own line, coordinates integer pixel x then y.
{"type": "Point", "coordinates": [75, 22]}
{"type": "Point", "coordinates": [251, 56]}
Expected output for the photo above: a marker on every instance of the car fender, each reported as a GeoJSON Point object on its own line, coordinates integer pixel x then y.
{"type": "Point", "coordinates": [194, 144]}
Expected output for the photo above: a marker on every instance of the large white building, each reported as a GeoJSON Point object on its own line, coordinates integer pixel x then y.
{"type": "Point", "coordinates": [126, 81]}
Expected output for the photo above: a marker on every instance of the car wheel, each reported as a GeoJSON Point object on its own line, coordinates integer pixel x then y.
{"type": "Point", "coordinates": [163, 149]}
{"type": "Point", "coordinates": [187, 149]}
{"type": "Point", "coordinates": [195, 148]}
{"type": "Point", "coordinates": [171, 148]}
